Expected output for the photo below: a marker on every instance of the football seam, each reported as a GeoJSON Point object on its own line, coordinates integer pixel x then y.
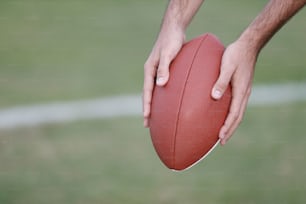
{"type": "Point", "coordinates": [181, 98]}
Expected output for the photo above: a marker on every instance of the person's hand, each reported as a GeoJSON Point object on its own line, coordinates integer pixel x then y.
{"type": "Point", "coordinates": [168, 44]}
{"type": "Point", "coordinates": [237, 69]}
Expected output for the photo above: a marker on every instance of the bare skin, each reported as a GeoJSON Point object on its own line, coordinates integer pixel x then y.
{"type": "Point", "coordinates": [238, 61]}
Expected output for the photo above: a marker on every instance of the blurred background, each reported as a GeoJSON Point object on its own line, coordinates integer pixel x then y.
{"type": "Point", "coordinates": [71, 50]}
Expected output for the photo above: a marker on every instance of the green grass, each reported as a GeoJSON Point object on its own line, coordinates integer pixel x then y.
{"type": "Point", "coordinates": [60, 50]}
{"type": "Point", "coordinates": [113, 161]}
{"type": "Point", "coordinates": [281, 60]}
{"type": "Point", "coordinates": [68, 50]}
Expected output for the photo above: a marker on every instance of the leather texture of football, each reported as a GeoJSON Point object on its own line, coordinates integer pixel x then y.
{"type": "Point", "coordinates": [185, 120]}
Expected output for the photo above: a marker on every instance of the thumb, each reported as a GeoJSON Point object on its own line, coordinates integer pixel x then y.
{"type": "Point", "coordinates": [163, 72]}
{"type": "Point", "coordinates": [221, 85]}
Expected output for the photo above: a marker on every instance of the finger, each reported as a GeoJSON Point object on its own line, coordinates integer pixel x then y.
{"type": "Point", "coordinates": [147, 95]}
{"type": "Point", "coordinates": [229, 132]}
{"type": "Point", "coordinates": [237, 100]}
{"type": "Point", "coordinates": [235, 125]}
{"type": "Point", "coordinates": [146, 122]}
{"type": "Point", "coordinates": [148, 85]}
{"type": "Point", "coordinates": [163, 71]}
{"type": "Point", "coordinates": [223, 81]}
{"type": "Point", "coordinates": [241, 114]}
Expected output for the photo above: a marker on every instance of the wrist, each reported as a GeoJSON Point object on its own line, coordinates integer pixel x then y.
{"type": "Point", "coordinates": [179, 13]}
{"type": "Point", "coordinates": [250, 41]}
{"type": "Point", "coordinates": [173, 24]}
{"type": "Point", "coordinates": [172, 30]}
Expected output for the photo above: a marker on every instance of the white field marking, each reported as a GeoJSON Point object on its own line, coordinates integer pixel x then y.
{"type": "Point", "coordinates": [273, 94]}
{"type": "Point", "coordinates": [22, 116]}
{"type": "Point", "coordinates": [128, 105]}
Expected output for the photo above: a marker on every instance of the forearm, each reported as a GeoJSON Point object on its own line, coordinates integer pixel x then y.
{"type": "Point", "coordinates": [179, 13]}
{"type": "Point", "coordinates": [269, 21]}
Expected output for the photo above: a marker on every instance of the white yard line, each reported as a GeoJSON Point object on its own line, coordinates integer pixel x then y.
{"type": "Point", "coordinates": [128, 105]}
{"type": "Point", "coordinates": [263, 95]}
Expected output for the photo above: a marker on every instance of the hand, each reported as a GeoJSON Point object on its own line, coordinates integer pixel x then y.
{"type": "Point", "coordinates": [237, 69]}
{"type": "Point", "coordinates": [168, 44]}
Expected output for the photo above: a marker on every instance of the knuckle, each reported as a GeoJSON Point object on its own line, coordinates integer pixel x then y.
{"type": "Point", "coordinates": [165, 60]}
{"type": "Point", "coordinates": [239, 120]}
{"type": "Point", "coordinates": [222, 85]}
{"type": "Point", "coordinates": [240, 93]}
{"type": "Point", "coordinates": [147, 91]}
{"type": "Point", "coordinates": [161, 71]}
{"type": "Point", "coordinates": [249, 91]}
{"type": "Point", "coordinates": [166, 55]}
{"type": "Point", "coordinates": [235, 115]}
{"type": "Point", "coordinates": [223, 81]}
{"type": "Point", "coordinates": [147, 65]}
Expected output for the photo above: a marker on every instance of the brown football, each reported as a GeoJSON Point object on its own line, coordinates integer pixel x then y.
{"type": "Point", "coordinates": [185, 120]}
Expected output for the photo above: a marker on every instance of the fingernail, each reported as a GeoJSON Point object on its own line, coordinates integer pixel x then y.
{"type": "Point", "coordinates": [160, 80]}
{"type": "Point", "coordinates": [216, 94]}
{"type": "Point", "coordinates": [223, 142]}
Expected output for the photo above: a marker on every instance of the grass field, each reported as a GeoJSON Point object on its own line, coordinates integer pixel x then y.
{"type": "Point", "coordinates": [70, 50]}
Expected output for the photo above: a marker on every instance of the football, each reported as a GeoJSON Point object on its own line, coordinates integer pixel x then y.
{"type": "Point", "coordinates": [185, 120]}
